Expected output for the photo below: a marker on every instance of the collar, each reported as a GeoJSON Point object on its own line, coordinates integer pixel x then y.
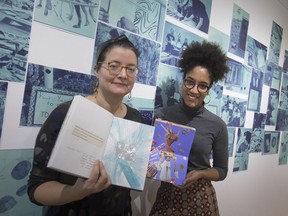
{"type": "Point", "coordinates": [191, 112]}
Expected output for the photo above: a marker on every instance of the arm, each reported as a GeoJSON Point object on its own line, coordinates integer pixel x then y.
{"type": "Point", "coordinates": [208, 174]}
{"type": "Point", "coordinates": [44, 184]}
{"type": "Point", "coordinates": [220, 159]}
{"type": "Point", "coordinates": [56, 193]}
{"type": "Point", "coordinates": [220, 152]}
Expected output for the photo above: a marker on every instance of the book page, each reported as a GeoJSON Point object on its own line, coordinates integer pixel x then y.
{"type": "Point", "coordinates": [127, 153]}
{"type": "Point", "coordinates": [82, 138]}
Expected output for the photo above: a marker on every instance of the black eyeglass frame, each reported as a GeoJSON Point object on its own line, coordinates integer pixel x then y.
{"type": "Point", "coordinates": [193, 83]}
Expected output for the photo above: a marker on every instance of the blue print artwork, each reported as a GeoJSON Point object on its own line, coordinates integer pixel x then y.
{"type": "Point", "coordinates": [21, 170]}
{"type": "Point", "coordinates": [127, 153]}
{"type": "Point", "coordinates": [15, 166]}
{"type": "Point", "coordinates": [6, 203]}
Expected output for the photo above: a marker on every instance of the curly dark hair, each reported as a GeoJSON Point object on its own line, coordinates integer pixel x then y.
{"type": "Point", "coordinates": [206, 54]}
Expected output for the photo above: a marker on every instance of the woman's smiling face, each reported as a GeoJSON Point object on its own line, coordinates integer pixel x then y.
{"type": "Point", "coordinates": [120, 84]}
{"type": "Point", "coordinates": [192, 97]}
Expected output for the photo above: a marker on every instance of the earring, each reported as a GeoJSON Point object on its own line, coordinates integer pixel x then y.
{"type": "Point", "coordinates": [129, 95]}
{"type": "Point", "coordinates": [206, 101]}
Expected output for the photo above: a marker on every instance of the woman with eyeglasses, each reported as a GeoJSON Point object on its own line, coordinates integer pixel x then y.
{"type": "Point", "coordinates": [202, 64]}
{"type": "Point", "coordinates": [65, 195]}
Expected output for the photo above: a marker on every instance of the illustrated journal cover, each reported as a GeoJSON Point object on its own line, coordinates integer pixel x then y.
{"type": "Point", "coordinates": [90, 132]}
{"type": "Point", "coordinates": [170, 151]}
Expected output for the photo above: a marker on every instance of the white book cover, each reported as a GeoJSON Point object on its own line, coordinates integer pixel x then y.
{"type": "Point", "coordinates": [90, 132]}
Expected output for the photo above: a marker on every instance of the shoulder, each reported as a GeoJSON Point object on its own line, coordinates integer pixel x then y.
{"type": "Point", "coordinates": [61, 110]}
{"type": "Point", "coordinates": [133, 114]}
{"type": "Point", "coordinates": [213, 118]}
{"type": "Point", "coordinates": [56, 117]}
{"type": "Point", "coordinates": [63, 106]}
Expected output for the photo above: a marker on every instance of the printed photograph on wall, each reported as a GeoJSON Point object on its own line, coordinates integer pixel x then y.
{"type": "Point", "coordinates": [241, 158]}
{"type": "Point", "coordinates": [15, 28]}
{"type": "Point", "coordinates": [283, 104]}
{"type": "Point", "coordinates": [148, 60]}
{"type": "Point", "coordinates": [259, 120]}
{"type": "Point", "coordinates": [47, 87]}
{"type": "Point", "coordinates": [255, 54]}
{"type": "Point", "coordinates": [272, 107]}
{"type": "Point", "coordinates": [285, 63]}
{"type": "Point", "coordinates": [275, 43]}
{"type": "Point", "coordinates": [284, 100]}
{"type": "Point", "coordinates": [239, 77]}
{"type": "Point", "coordinates": [276, 78]}
{"type": "Point", "coordinates": [255, 91]}
{"type": "Point", "coordinates": [272, 75]}
{"type": "Point", "coordinates": [282, 120]}
{"type": "Point", "coordinates": [219, 37]}
{"type": "Point", "coordinates": [142, 17]}
{"type": "Point", "coordinates": [271, 139]}
{"type": "Point", "coordinates": [76, 16]}
{"type": "Point", "coordinates": [233, 111]}
{"type": "Point", "coordinates": [213, 99]}
{"type": "Point", "coordinates": [193, 13]}
{"type": "Point", "coordinates": [231, 139]}
{"type": "Point", "coordinates": [15, 166]}
{"type": "Point", "coordinates": [239, 29]}
{"type": "Point", "coordinates": [3, 96]}
{"type": "Point", "coordinates": [257, 140]}
{"type": "Point", "coordinates": [175, 40]}
{"type": "Point", "coordinates": [283, 151]}
{"type": "Point", "coordinates": [168, 89]}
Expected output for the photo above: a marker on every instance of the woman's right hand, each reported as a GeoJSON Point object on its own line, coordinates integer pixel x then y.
{"type": "Point", "coordinates": [56, 193]}
{"type": "Point", "coordinates": [98, 181]}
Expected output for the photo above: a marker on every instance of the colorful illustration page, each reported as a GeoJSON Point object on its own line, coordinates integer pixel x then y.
{"type": "Point", "coordinates": [170, 151]}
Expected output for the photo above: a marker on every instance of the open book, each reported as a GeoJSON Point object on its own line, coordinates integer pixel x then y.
{"type": "Point", "coordinates": [90, 132]}
{"type": "Point", "coordinates": [170, 151]}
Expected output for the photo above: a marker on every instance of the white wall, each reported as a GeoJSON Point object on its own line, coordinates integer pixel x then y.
{"type": "Point", "coordinates": [263, 188]}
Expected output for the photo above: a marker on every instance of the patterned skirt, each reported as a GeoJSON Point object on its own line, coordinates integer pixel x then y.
{"type": "Point", "coordinates": [198, 199]}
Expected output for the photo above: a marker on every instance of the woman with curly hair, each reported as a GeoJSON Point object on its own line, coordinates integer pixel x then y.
{"type": "Point", "coordinates": [202, 64]}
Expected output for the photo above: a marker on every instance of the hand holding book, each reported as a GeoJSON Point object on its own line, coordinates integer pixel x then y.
{"type": "Point", "coordinates": [122, 145]}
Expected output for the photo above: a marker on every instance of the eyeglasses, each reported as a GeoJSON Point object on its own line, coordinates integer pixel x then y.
{"type": "Point", "coordinates": [116, 67]}
{"type": "Point", "coordinates": [190, 83]}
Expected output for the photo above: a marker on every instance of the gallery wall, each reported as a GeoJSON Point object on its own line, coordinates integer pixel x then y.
{"type": "Point", "coordinates": [47, 58]}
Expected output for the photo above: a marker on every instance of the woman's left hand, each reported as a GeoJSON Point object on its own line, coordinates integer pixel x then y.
{"type": "Point", "coordinates": [192, 177]}
{"type": "Point", "coordinates": [210, 174]}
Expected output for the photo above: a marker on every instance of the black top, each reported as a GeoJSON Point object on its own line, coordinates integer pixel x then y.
{"type": "Point", "coordinates": [114, 200]}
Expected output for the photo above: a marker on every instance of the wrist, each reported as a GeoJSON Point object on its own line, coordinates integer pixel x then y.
{"type": "Point", "coordinates": [72, 194]}
{"type": "Point", "coordinates": [200, 174]}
